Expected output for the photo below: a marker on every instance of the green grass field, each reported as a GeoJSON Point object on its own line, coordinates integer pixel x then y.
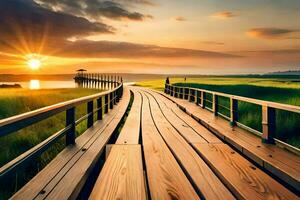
{"type": "Point", "coordinates": [17, 101]}
{"type": "Point", "coordinates": [280, 90]}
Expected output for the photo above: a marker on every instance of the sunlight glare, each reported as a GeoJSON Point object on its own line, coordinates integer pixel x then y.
{"type": "Point", "coordinates": [34, 63]}
{"type": "Point", "coordinates": [34, 84]}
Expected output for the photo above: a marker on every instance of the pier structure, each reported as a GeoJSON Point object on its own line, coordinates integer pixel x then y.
{"type": "Point", "coordinates": [96, 80]}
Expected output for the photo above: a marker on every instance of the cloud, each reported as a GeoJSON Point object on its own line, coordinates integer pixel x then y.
{"type": "Point", "coordinates": [109, 49]}
{"type": "Point", "coordinates": [26, 26]}
{"type": "Point", "coordinates": [213, 42]}
{"type": "Point", "coordinates": [142, 2]}
{"type": "Point", "coordinates": [223, 15]}
{"type": "Point", "coordinates": [97, 9]}
{"type": "Point", "coordinates": [271, 33]}
{"type": "Point", "coordinates": [179, 18]}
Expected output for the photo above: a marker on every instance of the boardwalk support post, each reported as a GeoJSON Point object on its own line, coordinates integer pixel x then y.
{"type": "Point", "coordinates": [115, 97]}
{"type": "Point", "coordinates": [203, 96]}
{"type": "Point", "coordinates": [90, 108]}
{"type": "Point", "coordinates": [215, 104]}
{"type": "Point", "coordinates": [106, 104]}
{"type": "Point", "coordinates": [70, 120]}
{"type": "Point", "coordinates": [268, 124]}
{"type": "Point", "coordinates": [233, 111]}
{"type": "Point", "coordinates": [198, 93]}
{"type": "Point", "coordinates": [111, 99]}
{"type": "Point", "coordinates": [166, 85]}
{"type": "Point", "coordinates": [99, 107]}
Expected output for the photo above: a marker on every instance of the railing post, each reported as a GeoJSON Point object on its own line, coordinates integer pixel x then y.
{"type": "Point", "coordinates": [111, 103]}
{"type": "Point", "coordinates": [215, 104]}
{"type": "Point", "coordinates": [115, 97]}
{"type": "Point", "coordinates": [173, 91]}
{"type": "Point", "coordinates": [268, 124]}
{"type": "Point", "coordinates": [166, 89]}
{"type": "Point", "coordinates": [99, 107]}
{"type": "Point", "coordinates": [181, 93]}
{"type": "Point", "coordinates": [173, 88]}
{"type": "Point", "coordinates": [233, 111]}
{"type": "Point", "coordinates": [90, 109]}
{"type": "Point", "coordinates": [203, 96]}
{"type": "Point", "coordinates": [118, 95]}
{"type": "Point", "coordinates": [197, 97]}
{"type": "Point", "coordinates": [106, 103]}
{"type": "Point", "coordinates": [70, 120]}
{"type": "Point", "coordinates": [192, 95]}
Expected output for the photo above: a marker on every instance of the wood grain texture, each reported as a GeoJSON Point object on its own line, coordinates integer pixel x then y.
{"type": "Point", "coordinates": [172, 111]}
{"type": "Point", "coordinates": [276, 160]}
{"type": "Point", "coordinates": [122, 176]}
{"type": "Point", "coordinates": [202, 176]}
{"type": "Point", "coordinates": [131, 130]}
{"type": "Point", "coordinates": [165, 178]}
{"type": "Point", "coordinates": [73, 180]}
{"type": "Point", "coordinates": [244, 179]}
{"type": "Point", "coordinates": [54, 172]}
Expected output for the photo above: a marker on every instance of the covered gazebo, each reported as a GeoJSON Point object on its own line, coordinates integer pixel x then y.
{"type": "Point", "coordinates": [80, 72]}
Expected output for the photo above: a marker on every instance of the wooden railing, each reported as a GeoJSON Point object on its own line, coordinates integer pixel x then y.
{"type": "Point", "coordinates": [15, 123]}
{"type": "Point", "coordinates": [268, 109]}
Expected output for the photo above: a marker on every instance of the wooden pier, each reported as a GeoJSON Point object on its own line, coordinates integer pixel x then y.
{"type": "Point", "coordinates": [99, 81]}
{"type": "Point", "coordinates": [167, 147]}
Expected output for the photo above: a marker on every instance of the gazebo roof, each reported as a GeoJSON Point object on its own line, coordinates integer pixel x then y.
{"type": "Point", "coordinates": [81, 70]}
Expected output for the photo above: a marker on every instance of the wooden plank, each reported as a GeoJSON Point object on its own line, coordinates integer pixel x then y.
{"type": "Point", "coordinates": [44, 181]}
{"type": "Point", "coordinates": [184, 129]}
{"type": "Point", "coordinates": [201, 175]}
{"type": "Point", "coordinates": [279, 162]}
{"type": "Point", "coordinates": [83, 165]}
{"type": "Point", "coordinates": [165, 178]}
{"type": "Point", "coordinates": [131, 130]}
{"type": "Point", "coordinates": [244, 179]}
{"type": "Point", "coordinates": [171, 110]}
{"type": "Point", "coordinates": [36, 185]}
{"type": "Point", "coordinates": [122, 176]}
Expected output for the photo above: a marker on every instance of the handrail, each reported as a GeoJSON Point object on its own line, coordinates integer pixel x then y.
{"type": "Point", "coordinates": [198, 96]}
{"type": "Point", "coordinates": [15, 123]}
{"type": "Point", "coordinates": [20, 121]}
{"type": "Point", "coordinates": [276, 105]}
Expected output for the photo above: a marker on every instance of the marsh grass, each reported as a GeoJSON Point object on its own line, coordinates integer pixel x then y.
{"type": "Point", "coordinates": [277, 90]}
{"type": "Point", "coordinates": [17, 101]}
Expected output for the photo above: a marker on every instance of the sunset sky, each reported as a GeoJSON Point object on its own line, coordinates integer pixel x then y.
{"type": "Point", "coordinates": [150, 36]}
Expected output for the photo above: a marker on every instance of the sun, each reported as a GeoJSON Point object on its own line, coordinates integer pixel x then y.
{"type": "Point", "coordinates": [34, 63]}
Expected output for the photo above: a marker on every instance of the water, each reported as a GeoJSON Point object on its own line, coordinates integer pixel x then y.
{"type": "Point", "coordinates": [38, 84]}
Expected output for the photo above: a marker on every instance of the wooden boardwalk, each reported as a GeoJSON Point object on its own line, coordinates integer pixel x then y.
{"type": "Point", "coordinates": [167, 148]}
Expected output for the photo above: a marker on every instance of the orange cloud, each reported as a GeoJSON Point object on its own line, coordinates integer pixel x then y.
{"type": "Point", "coordinates": [271, 33]}
{"type": "Point", "coordinates": [223, 15]}
{"type": "Point", "coordinates": [179, 18]}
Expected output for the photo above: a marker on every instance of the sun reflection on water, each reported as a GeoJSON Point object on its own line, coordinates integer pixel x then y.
{"type": "Point", "coordinates": [34, 84]}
